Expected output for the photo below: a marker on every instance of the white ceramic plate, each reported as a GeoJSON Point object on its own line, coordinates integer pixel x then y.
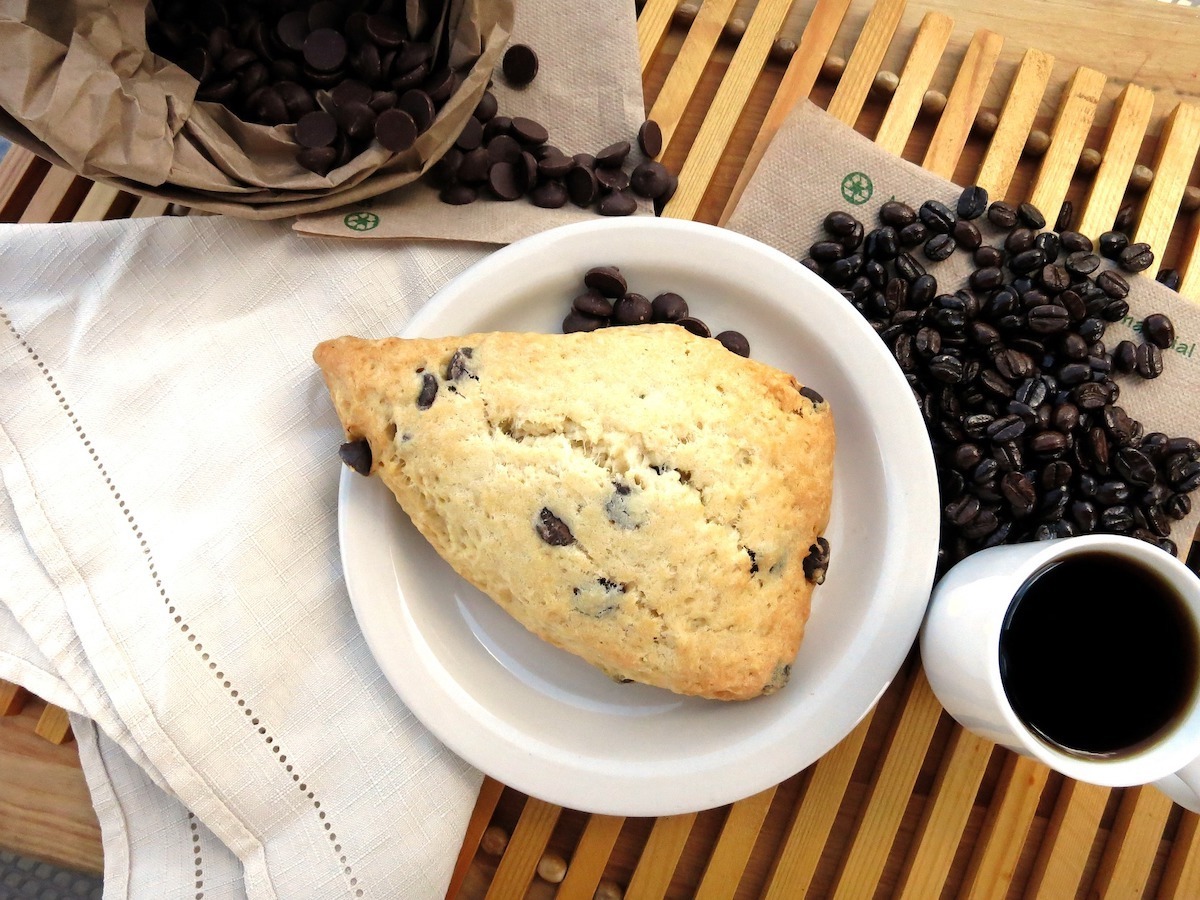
{"type": "Point", "coordinates": [545, 722]}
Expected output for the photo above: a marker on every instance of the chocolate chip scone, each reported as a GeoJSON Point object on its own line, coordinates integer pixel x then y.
{"type": "Point", "coordinates": [640, 497]}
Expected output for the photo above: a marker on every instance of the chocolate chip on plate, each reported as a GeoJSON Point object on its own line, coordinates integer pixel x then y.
{"type": "Point", "coordinates": [608, 280]}
{"type": "Point", "coordinates": [734, 342]}
{"type": "Point", "coordinates": [669, 307]}
{"type": "Point", "coordinates": [357, 455]}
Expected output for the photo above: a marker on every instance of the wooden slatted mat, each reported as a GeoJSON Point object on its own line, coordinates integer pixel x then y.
{"type": "Point", "coordinates": [907, 804]}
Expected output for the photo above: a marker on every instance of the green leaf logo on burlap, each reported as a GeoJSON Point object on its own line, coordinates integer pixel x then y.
{"type": "Point", "coordinates": [857, 188]}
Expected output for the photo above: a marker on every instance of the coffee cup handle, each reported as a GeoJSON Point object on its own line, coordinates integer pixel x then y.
{"type": "Point", "coordinates": [1184, 786]}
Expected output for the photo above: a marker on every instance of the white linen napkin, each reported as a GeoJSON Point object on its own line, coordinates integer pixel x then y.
{"type": "Point", "coordinates": [169, 464]}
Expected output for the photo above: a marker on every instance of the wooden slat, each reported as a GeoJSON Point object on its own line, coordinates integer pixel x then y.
{"type": "Point", "coordinates": [525, 848]}
{"type": "Point", "coordinates": [481, 815]}
{"type": "Point", "coordinates": [1132, 844]}
{"type": "Point", "coordinates": [796, 85]}
{"type": "Point", "coordinates": [918, 72]}
{"type": "Point", "coordinates": [54, 725]}
{"type": "Point", "coordinates": [1063, 855]}
{"type": "Point", "coordinates": [727, 105]}
{"type": "Point", "coordinates": [688, 66]}
{"type": "Point", "coordinates": [732, 852]}
{"type": "Point", "coordinates": [98, 204]}
{"type": "Point", "coordinates": [660, 856]}
{"type": "Point", "coordinates": [1177, 147]}
{"type": "Point", "coordinates": [1181, 878]}
{"type": "Point", "coordinates": [1071, 125]}
{"type": "Point", "coordinates": [1189, 263]}
{"type": "Point", "coordinates": [1016, 118]}
{"type": "Point", "coordinates": [865, 59]}
{"type": "Point", "coordinates": [652, 24]}
{"type": "Point", "coordinates": [990, 872]}
{"type": "Point", "coordinates": [148, 207]}
{"type": "Point", "coordinates": [12, 698]}
{"type": "Point", "coordinates": [1131, 116]}
{"type": "Point", "coordinates": [963, 103]}
{"type": "Point", "coordinates": [20, 174]}
{"type": "Point", "coordinates": [590, 857]}
{"type": "Point", "coordinates": [941, 827]}
{"type": "Point", "coordinates": [880, 820]}
{"type": "Point", "coordinates": [797, 860]}
{"type": "Point", "coordinates": [56, 197]}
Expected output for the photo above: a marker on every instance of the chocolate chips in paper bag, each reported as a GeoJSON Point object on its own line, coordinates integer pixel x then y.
{"type": "Point", "coordinates": [1041, 364]}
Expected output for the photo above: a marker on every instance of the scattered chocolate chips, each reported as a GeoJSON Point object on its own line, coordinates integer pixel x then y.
{"type": "Point", "coordinates": [357, 455]}
{"type": "Point", "coordinates": [551, 529]}
{"type": "Point", "coordinates": [520, 65]}
{"type": "Point", "coordinates": [1011, 372]}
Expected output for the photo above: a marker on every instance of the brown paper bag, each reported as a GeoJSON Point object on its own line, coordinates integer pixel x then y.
{"type": "Point", "coordinates": [816, 164]}
{"type": "Point", "coordinates": [82, 89]}
{"type": "Point", "coordinates": [588, 94]}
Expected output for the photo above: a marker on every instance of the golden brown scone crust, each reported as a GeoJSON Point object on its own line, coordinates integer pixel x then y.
{"type": "Point", "coordinates": [692, 483]}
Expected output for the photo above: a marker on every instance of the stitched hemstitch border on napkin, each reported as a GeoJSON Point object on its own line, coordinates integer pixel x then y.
{"type": "Point", "coordinates": [215, 670]}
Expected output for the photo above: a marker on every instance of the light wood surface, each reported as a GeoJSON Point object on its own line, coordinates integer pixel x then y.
{"type": "Point", "coordinates": [907, 804]}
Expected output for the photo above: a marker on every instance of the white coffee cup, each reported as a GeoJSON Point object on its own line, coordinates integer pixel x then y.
{"type": "Point", "coordinates": [961, 653]}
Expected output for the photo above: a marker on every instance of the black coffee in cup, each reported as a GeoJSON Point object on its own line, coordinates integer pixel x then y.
{"type": "Point", "coordinates": [1098, 655]}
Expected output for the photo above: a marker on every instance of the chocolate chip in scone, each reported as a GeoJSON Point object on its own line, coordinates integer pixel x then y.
{"type": "Point", "coordinates": [753, 560]}
{"type": "Point", "coordinates": [357, 455]}
{"type": "Point", "coordinates": [429, 389]}
{"type": "Point", "coordinates": [457, 367]}
{"type": "Point", "coordinates": [817, 562]}
{"type": "Point", "coordinates": [553, 530]}
{"type": "Point", "coordinates": [779, 678]}
{"type": "Point", "coordinates": [812, 395]}
{"type": "Point", "coordinates": [734, 342]}
{"type": "Point", "coordinates": [617, 508]}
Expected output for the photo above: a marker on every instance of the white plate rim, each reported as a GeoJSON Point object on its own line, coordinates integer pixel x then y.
{"type": "Point", "coordinates": [484, 739]}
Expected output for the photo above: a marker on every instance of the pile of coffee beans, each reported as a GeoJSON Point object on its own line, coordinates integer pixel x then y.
{"type": "Point", "coordinates": [507, 158]}
{"type": "Point", "coordinates": [1014, 380]}
{"type": "Point", "coordinates": [344, 74]}
{"type": "Point", "coordinates": [607, 301]}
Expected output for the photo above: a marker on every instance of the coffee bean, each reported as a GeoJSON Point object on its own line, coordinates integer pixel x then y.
{"type": "Point", "coordinates": [1066, 215]}
{"type": "Point", "coordinates": [1159, 330]}
{"type": "Point", "coordinates": [937, 216]}
{"type": "Point", "coordinates": [1055, 279]}
{"type": "Point", "coordinates": [1082, 262]}
{"type": "Point", "coordinates": [553, 530]}
{"type": "Point", "coordinates": [1125, 219]}
{"type": "Point", "coordinates": [1148, 360]}
{"type": "Point", "coordinates": [1136, 257]}
{"type": "Point", "coordinates": [913, 234]}
{"type": "Point", "coordinates": [1074, 242]}
{"type": "Point", "coordinates": [1049, 244]}
{"type": "Point", "coordinates": [989, 257]}
{"type": "Point", "coordinates": [963, 510]}
{"type": "Point", "coordinates": [734, 342]}
{"type": "Point", "coordinates": [966, 235]}
{"type": "Point", "coordinates": [1030, 216]}
{"type": "Point", "coordinates": [1169, 278]}
{"type": "Point", "coordinates": [1113, 284]}
{"type": "Point", "coordinates": [839, 224]}
{"type": "Point", "coordinates": [1112, 244]}
{"type": "Point", "coordinates": [939, 247]}
{"type": "Point", "coordinates": [357, 455]}
{"type": "Point", "coordinates": [1002, 214]}
{"type": "Point", "coordinates": [897, 214]}
{"type": "Point", "coordinates": [972, 203]}
{"type": "Point", "coordinates": [520, 65]}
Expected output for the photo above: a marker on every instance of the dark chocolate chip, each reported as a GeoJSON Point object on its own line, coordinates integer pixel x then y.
{"type": "Point", "coordinates": [810, 394]}
{"type": "Point", "coordinates": [669, 307]}
{"type": "Point", "coordinates": [816, 564]}
{"type": "Point", "coordinates": [608, 280]}
{"type": "Point", "coordinates": [551, 529]}
{"type": "Point", "coordinates": [650, 138]}
{"type": "Point", "coordinates": [632, 309]}
{"type": "Point", "coordinates": [395, 130]}
{"type": "Point", "coordinates": [324, 49]}
{"type": "Point", "coordinates": [429, 389]}
{"type": "Point", "coordinates": [357, 455]}
{"type": "Point", "coordinates": [694, 326]}
{"type": "Point", "coordinates": [316, 129]}
{"type": "Point", "coordinates": [619, 203]}
{"type": "Point", "coordinates": [613, 155]}
{"type": "Point", "coordinates": [549, 195]}
{"type": "Point", "coordinates": [734, 342]}
{"type": "Point", "coordinates": [582, 186]}
{"type": "Point", "coordinates": [520, 65]}
{"type": "Point", "coordinates": [504, 181]}
{"type": "Point", "coordinates": [457, 367]}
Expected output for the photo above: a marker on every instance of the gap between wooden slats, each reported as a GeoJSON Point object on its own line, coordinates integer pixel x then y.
{"type": "Point", "coordinates": [797, 861]}
{"type": "Point", "coordinates": [796, 84]}
{"type": "Point", "coordinates": [12, 698]}
{"type": "Point", "coordinates": [659, 857]}
{"type": "Point", "coordinates": [1131, 116]}
{"type": "Point", "coordinates": [652, 24]}
{"type": "Point", "coordinates": [873, 41]}
{"type": "Point", "coordinates": [1132, 843]}
{"type": "Point", "coordinates": [726, 108]}
{"type": "Point", "coordinates": [1016, 118]}
{"type": "Point", "coordinates": [919, 69]}
{"type": "Point", "coordinates": [590, 857]}
{"type": "Point", "coordinates": [728, 859]}
{"type": "Point", "coordinates": [21, 171]}
{"type": "Point", "coordinates": [481, 815]}
{"type": "Point", "coordinates": [1177, 147]}
{"type": "Point", "coordinates": [1063, 855]}
{"type": "Point", "coordinates": [880, 820]}
{"type": "Point", "coordinates": [963, 103]}
{"type": "Point", "coordinates": [1075, 114]}
{"type": "Point", "coordinates": [941, 827]}
{"type": "Point", "coordinates": [526, 846]}
{"type": "Point", "coordinates": [1009, 816]}
{"type": "Point", "coordinates": [1181, 877]}
{"type": "Point", "coordinates": [688, 66]}
{"type": "Point", "coordinates": [57, 197]}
